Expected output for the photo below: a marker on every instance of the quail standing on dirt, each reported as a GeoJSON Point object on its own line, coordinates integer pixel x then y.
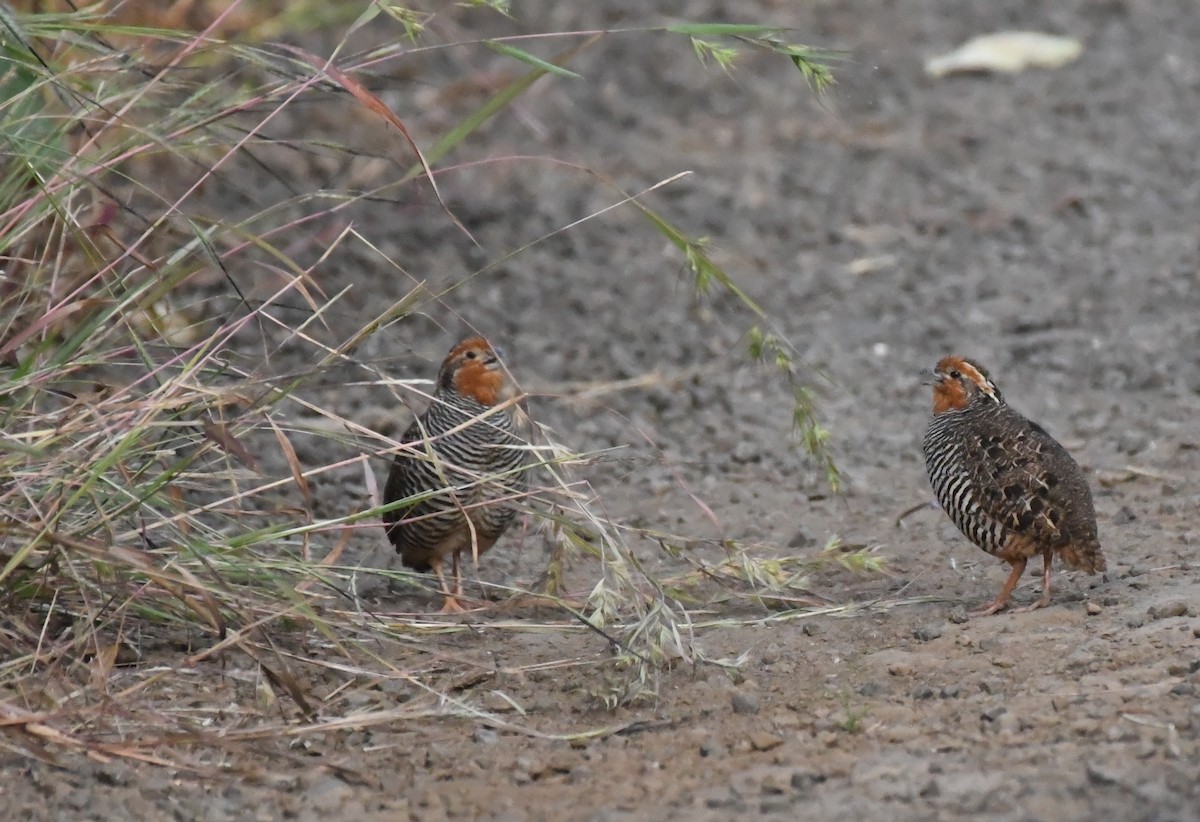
{"type": "Point", "coordinates": [461, 465]}
{"type": "Point", "coordinates": [1008, 485]}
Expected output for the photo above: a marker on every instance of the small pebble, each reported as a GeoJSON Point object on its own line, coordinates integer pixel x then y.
{"type": "Point", "coordinates": [801, 539]}
{"type": "Point", "coordinates": [485, 736]}
{"type": "Point", "coordinates": [745, 702]}
{"type": "Point", "coordinates": [992, 714]}
{"type": "Point", "coordinates": [763, 741]}
{"type": "Point", "coordinates": [873, 689]}
{"type": "Point", "coordinates": [958, 616]}
{"type": "Point", "coordinates": [950, 692]}
{"type": "Point", "coordinates": [1098, 776]}
{"type": "Point", "coordinates": [1171, 609]}
{"type": "Point", "coordinates": [773, 784]}
{"type": "Point", "coordinates": [922, 691]}
{"type": "Point", "coordinates": [927, 632]}
{"type": "Point", "coordinates": [1124, 516]}
{"type": "Point", "coordinates": [804, 779]}
{"type": "Point", "coordinates": [1093, 608]}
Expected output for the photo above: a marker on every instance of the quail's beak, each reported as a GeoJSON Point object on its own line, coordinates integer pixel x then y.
{"type": "Point", "coordinates": [930, 377]}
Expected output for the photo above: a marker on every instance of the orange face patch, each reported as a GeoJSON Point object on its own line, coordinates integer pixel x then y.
{"type": "Point", "coordinates": [473, 370]}
{"type": "Point", "coordinates": [948, 395]}
{"type": "Point", "coordinates": [957, 382]}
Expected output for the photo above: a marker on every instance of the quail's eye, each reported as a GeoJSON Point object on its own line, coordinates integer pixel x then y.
{"type": "Point", "coordinates": [955, 375]}
{"type": "Point", "coordinates": [472, 355]}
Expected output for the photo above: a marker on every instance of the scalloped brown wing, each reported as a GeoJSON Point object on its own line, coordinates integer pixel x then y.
{"type": "Point", "coordinates": [1026, 481]}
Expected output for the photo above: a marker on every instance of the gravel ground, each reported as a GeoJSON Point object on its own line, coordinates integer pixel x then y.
{"type": "Point", "coordinates": [1044, 223]}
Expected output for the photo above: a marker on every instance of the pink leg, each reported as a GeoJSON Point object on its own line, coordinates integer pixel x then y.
{"type": "Point", "coordinates": [1045, 598]}
{"type": "Point", "coordinates": [1001, 600]}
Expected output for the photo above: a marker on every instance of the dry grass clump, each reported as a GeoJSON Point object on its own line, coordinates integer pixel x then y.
{"type": "Point", "coordinates": [168, 570]}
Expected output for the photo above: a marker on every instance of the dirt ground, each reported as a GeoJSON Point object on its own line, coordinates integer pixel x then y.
{"type": "Point", "coordinates": [1044, 223]}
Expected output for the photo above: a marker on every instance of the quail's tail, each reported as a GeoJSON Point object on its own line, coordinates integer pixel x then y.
{"type": "Point", "coordinates": [1084, 556]}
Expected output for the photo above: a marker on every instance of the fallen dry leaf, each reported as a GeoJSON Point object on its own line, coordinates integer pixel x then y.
{"type": "Point", "coordinates": [1006, 51]}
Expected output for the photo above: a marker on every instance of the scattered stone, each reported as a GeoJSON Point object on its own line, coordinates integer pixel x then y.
{"type": "Point", "coordinates": [437, 754]}
{"type": "Point", "coordinates": [991, 686]}
{"type": "Point", "coordinates": [994, 713]}
{"type": "Point", "coordinates": [1098, 776]}
{"type": "Point", "coordinates": [485, 736]}
{"type": "Point", "coordinates": [1184, 689]}
{"type": "Point", "coordinates": [873, 689]}
{"type": "Point", "coordinates": [922, 691]}
{"type": "Point", "coordinates": [497, 704]}
{"type": "Point", "coordinates": [1135, 622]}
{"type": "Point", "coordinates": [1196, 631]}
{"type": "Point", "coordinates": [950, 692]}
{"type": "Point", "coordinates": [1134, 571]}
{"type": "Point", "coordinates": [711, 748]}
{"type": "Point", "coordinates": [1009, 723]}
{"type": "Point", "coordinates": [745, 702]}
{"type": "Point", "coordinates": [746, 452]}
{"type": "Point", "coordinates": [79, 799]}
{"type": "Point", "coordinates": [764, 741]}
{"type": "Point", "coordinates": [775, 805]}
{"type": "Point", "coordinates": [931, 789]}
{"type": "Point", "coordinates": [773, 784]}
{"type": "Point", "coordinates": [900, 669]}
{"type": "Point", "coordinates": [1094, 609]}
{"type": "Point", "coordinates": [929, 632]}
{"type": "Point", "coordinates": [1178, 669]}
{"type": "Point", "coordinates": [1177, 608]}
{"type": "Point", "coordinates": [328, 794]}
{"type": "Point", "coordinates": [810, 629]}
{"type": "Point", "coordinates": [802, 780]}
{"type": "Point", "coordinates": [958, 616]}
{"type": "Point", "coordinates": [1124, 516]}
{"type": "Point", "coordinates": [801, 539]}
{"type": "Point", "coordinates": [530, 765]}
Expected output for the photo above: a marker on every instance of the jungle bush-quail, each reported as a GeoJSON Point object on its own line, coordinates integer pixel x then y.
{"type": "Point", "coordinates": [461, 467]}
{"type": "Point", "coordinates": [1008, 485]}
